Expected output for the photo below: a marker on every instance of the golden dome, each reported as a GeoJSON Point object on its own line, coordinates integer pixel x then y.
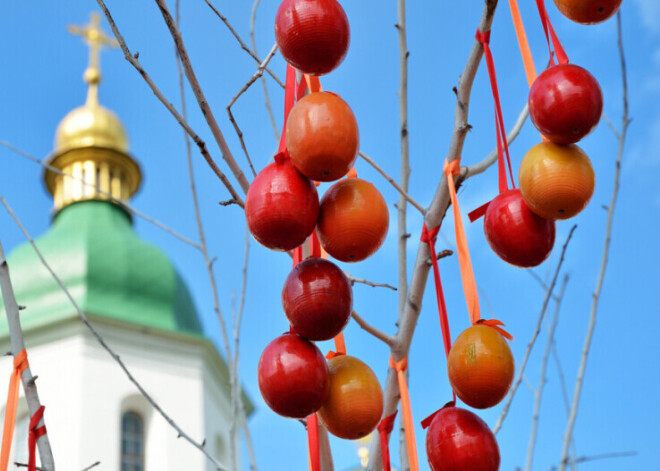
{"type": "Point", "coordinates": [90, 158]}
{"type": "Point", "coordinates": [90, 125]}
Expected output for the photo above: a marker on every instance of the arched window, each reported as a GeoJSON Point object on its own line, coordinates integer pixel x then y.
{"type": "Point", "coordinates": [132, 442]}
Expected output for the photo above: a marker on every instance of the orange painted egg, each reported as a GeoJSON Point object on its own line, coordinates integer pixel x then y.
{"type": "Point", "coordinates": [322, 137]}
{"type": "Point", "coordinates": [588, 11]}
{"type": "Point", "coordinates": [355, 402]}
{"type": "Point", "coordinates": [353, 220]}
{"type": "Point", "coordinates": [480, 366]}
{"type": "Point", "coordinates": [556, 181]}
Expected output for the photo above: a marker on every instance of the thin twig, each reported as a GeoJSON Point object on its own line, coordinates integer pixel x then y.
{"type": "Point", "coordinates": [491, 158]}
{"type": "Point", "coordinates": [17, 345]}
{"type": "Point", "coordinates": [241, 42]}
{"type": "Point", "coordinates": [625, 121]}
{"type": "Point", "coordinates": [93, 465]}
{"type": "Point", "coordinates": [354, 280]}
{"type": "Point", "coordinates": [544, 365]}
{"type": "Point", "coordinates": [433, 218]}
{"type": "Point", "coordinates": [611, 125]}
{"type": "Point", "coordinates": [254, 78]}
{"type": "Point", "coordinates": [200, 446]}
{"type": "Point", "coordinates": [535, 334]}
{"type": "Point", "coordinates": [201, 99]}
{"type": "Point", "coordinates": [393, 182]}
{"type": "Point", "coordinates": [264, 84]}
{"type": "Point", "coordinates": [604, 456]}
{"type": "Point", "coordinates": [380, 335]}
{"type": "Point", "coordinates": [193, 135]}
{"type": "Point", "coordinates": [105, 194]}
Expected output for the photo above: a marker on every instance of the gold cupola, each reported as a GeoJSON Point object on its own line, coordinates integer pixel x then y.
{"type": "Point", "coordinates": [91, 145]}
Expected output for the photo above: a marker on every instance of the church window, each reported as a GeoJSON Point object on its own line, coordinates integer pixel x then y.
{"type": "Point", "coordinates": [132, 442]}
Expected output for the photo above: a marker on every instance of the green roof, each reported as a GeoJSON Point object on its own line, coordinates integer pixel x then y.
{"type": "Point", "coordinates": [107, 268]}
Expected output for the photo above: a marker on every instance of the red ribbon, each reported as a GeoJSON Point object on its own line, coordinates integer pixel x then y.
{"type": "Point", "coordinates": [427, 421]}
{"type": "Point", "coordinates": [429, 238]}
{"type": "Point", "coordinates": [562, 57]}
{"type": "Point", "coordinates": [313, 443]}
{"type": "Point", "coordinates": [384, 429]}
{"type": "Point", "coordinates": [35, 433]}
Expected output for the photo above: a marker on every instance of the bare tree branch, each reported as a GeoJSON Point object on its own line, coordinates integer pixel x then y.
{"type": "Point", "coordinates": [403, 193]}
{"type": "Point", "coordinates": [193, 135]}
{"type": "Point", "coordinates": [241, 42]}
{"type": "Point", "coordinates": [254, 78]}
{"type": "Point", "coordinates": [354, 280]}
{"type": "Point", "coordinates": [433, 218]}
{"type": "Point", "coordinates": [121, 203]}
{"type": "Point", "coordinates": [380, 335]}
{"type": "Point", "coordinates": [17, 345]}
{"type": "Point", "coordinates": [200, 446]}
{"type": "Point", "coordinates": [535, 334]}
{"type": "Point", "coordinates": [201, 99]}
{"type": "Point", "coordinates": [264, 84]}
{"type": "Point", "coordinates": [93, 465]}
{"type": "Point", "coordinates": [625, 121]}
{"type": "Point", "coordinates": [542, 374]}
{"type": "Point", "coordinates": [604, 456]}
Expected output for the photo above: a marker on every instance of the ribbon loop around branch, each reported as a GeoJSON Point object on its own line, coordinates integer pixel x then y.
{"type": "Point", "coordinates": [20, 364]}
{"type": "Point", "coordinates": [34, 433]}
{"type": "Point", "coordinates": [384, 429]}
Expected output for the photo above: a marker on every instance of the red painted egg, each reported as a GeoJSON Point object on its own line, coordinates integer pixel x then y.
{"type": "Point", "coordinates": [556, 181]}
{"type": "Point", "coordinates": [313, 35]}
{"type": "Point", "coordinates": [353, 220]}
{"type": "Point", "coordinates": [458, 440]}
{"type": "Point", "coordinates": [322, 137]}
{"type": "Point", "coordinates": [317, 299]}
{"type": "Point", "coordinates": [355, 402]}
{"type": "Point", "coordinates": [515, 233]}
{"type": "Point", "coordinates": [293, 376]}
{"type": "Point", "coordinates": [480, 366]}
{"type": "Point", "coordinates": [281, 206]}
{"type": "Point", "coordinates": [588, 11]}
{"type": "Point", "coordinates": [565, 103]}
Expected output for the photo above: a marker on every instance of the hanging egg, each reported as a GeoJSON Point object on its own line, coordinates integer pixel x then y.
{"type": "Point", "coordinates": [458, 440]}
{"type": "Point", "coordinates": [322, 137]}
{"type": "Point", "coordinates": [565, 103]}
{"type": "Point", "coordinates": [313, 35]}
{"type": "Point", "coordinates": [588, 12]}
{"type": "Point", "coordinates": [556, 181]}
{"type": "Point", "coordinates": [353, 220]}
{"type": "Point", "coordinates": [516, 234]}
{"type": "Point", "coordinates": [480, 366]}
{"type": "Point", "coordinates": [293, 376]}
{"type": "Point", "coordinates": [355, 402]}
{"type": "Point", "coordinates": [317, 299]}
{"type": "Point", "coordinates": [281, 206]}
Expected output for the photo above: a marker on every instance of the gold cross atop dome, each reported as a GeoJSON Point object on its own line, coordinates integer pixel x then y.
{"type": "Point", "coordinates": [96, 39]}
{"type": "Point", "coordinates": [91, 145]}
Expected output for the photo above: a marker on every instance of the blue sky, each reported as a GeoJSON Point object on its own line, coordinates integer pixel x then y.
{"type": "Point", "coordinates": [40, 81]}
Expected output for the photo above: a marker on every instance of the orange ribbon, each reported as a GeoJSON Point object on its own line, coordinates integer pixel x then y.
{"type": "Point", "coordinates": [20, 364]}
{"type": "Point", "coordinates": [467, 274]}
{"type": "Point", "coordinates": [409, 427]}
{"type": "Point", "coordinates": [495, 324]}
{"type": "Point", "coordinates": [525, 52]}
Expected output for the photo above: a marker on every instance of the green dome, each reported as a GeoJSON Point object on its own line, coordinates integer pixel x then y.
{"type": "Point", "coordinates": [107, 268]}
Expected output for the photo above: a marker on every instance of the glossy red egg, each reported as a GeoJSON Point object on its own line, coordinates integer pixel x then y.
{"type": "Point", "coordinates": [293, 376]}
{"type": "Point", "coordinates": [355, 402]}
{"type": "Point", "coordinates": [588, 11]}
{"type": "Point", "coordinates": [322, 137]}
{"type": "Point", "coordinates": [281, 206]}
{"type": "Point", "coordinates": [353, 220]}
{"type": "Point", "coordinates": [565, 103]}
{"type": "Point", "coordinates": [458, 440]}
{"type": "Point", "coordinates": [516, 234]}
{"type": "Point", "coordinates": [317, 299]}
{"type": "Point", "coordinates": [313, 35]}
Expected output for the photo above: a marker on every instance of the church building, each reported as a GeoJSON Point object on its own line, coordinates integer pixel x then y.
{"type": "Point", "coordinates": [133, 296]}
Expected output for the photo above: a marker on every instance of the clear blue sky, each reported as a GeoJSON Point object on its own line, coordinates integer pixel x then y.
{"type": "Point", "coordinates": [40, 81]}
